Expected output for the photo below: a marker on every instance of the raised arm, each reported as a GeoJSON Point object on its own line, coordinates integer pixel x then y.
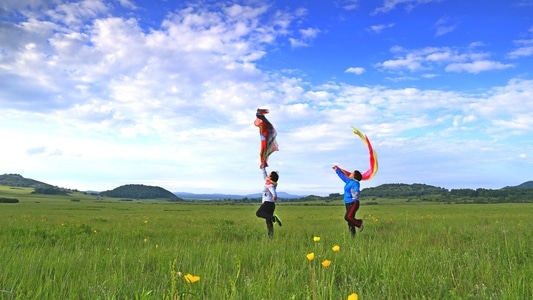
{"type": "Point", "coordinates": [340, 173]}
{"type": "Point", "coordinates": [264, 173]}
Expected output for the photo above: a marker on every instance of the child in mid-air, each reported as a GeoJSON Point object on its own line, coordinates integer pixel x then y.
{"type": "Point", "coordinates": [267, 134]}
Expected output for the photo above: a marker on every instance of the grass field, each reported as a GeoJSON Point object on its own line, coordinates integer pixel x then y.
{"type": "Point", "coordinates": [79, 248]}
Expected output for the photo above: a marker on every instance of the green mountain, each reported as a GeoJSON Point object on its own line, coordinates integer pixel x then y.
{"type": "Point", "coordinates": [16, 180]}
{"type": "Point", "coordinates": [140, 191]}
{"type": "Point", "coordinates": [525, 185]}
{"type": "Point", "coordinates": [403, 190]}
{"type": "Point", "coordinates": [131, 191]}
{"type": "Point", "coordinates": [394, 190]}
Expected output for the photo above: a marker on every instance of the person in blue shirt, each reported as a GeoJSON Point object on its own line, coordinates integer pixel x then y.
{"type": "Point", "coordinates": [351, 198]}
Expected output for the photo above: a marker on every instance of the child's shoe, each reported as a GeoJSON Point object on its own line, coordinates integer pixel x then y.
{"type": "Point", "coordinates": [277, 220]}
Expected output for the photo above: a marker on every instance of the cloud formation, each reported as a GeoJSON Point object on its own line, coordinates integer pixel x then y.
{"type": "Point", "coordinates": [451, 59]}
{"type": "Point", "coordinates": [96, 94]}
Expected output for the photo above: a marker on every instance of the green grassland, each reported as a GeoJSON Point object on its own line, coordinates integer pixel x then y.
{"type": "Point", "coordinates": [78, 247]}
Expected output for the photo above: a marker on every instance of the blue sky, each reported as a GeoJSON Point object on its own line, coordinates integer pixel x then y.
{"type": "Point", "coordinates": [96, 94]}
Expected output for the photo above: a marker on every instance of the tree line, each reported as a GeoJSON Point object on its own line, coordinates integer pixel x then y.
{"type": "Point", "coordinates": [423, 192]}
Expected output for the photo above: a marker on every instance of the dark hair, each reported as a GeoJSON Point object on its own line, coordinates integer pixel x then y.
{"type": "Point", "coordinates": [274, 176]}
{"type": "Point", "coordinates": [357, 175]}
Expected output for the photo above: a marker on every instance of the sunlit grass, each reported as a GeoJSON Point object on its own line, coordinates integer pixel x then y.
{"type": "Point", "coordinates": [156, 250]}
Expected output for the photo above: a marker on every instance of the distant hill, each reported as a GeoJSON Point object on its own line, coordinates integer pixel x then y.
{"type": "Point", "coordinates": [216, 196]}
{"type": "Point", "coordinates": [281, 195]}
{"type": "Point", "coordinates": [16, 180]}
{"type": "Point", "coordinates": [418, 189]}
{"type": "Point", "coordinates": [525, 185]}
{"type": "Point", "coordinates": [403, 190]}
{"type": "Point", "coordinates": [140, 191]}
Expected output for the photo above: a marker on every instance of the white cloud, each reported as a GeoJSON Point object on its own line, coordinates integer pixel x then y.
{"type": "Point", "coordinates": [409, 5]}
{"type": "Point", "coordinates": [525, 49]}
{"type": "Point", "coordinates": [381, 27]}
{"type": "Point", "coordinates": [127, 4]}
{"type": "Point", "coordinates": [433, 58]}
{"type": "Point", "coordinates": [355, 70]}
{"type": "Point", "coordinates": [520, 123]}
{"type": "Point", "coordinates": [75, 13]}
{"type": "Point", "coordinates": [306, 36]}
{"type": "Point", "coordinates": [319, 120]}
{"type": "Point", "coordinates": [318, 95]}
{"type": "Point", "coordinates": [296, 43]}
{"type": "Point", "coordinates": [309, 33]}
{"type": "Point", "coordinates": [348, 4]}
{"type": "Point", "coordinates": [477, 66]}
{"type": "Point", "coordinates": [443, 27]}
{"type": "Point", "coordinates": [410, 62]}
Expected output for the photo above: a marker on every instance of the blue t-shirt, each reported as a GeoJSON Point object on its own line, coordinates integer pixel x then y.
{"type": "Point", "coordinates": [351, 188]}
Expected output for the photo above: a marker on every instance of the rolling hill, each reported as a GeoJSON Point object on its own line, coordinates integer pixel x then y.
{"type": "Point", "coordinates": [139, 191]}
{"type": "Point", "coordinates": [525, 185]}
{"type": "Point", "coordinates": [16, 180]}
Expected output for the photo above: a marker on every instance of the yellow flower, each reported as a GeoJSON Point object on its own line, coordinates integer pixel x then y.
{"type": "Point", "coordinates": [353, 297]}
{"type": "Point", "coordinates": [191, 278]}
{"type": "Point", "coordinates": [326, 263]}
{"type": "Point", "coordinates": [316, 239]}
{"type": "Point", "coordinates": [145, 240]}
{"type": "Point", "coordinates": [336, 248]}
{"type": "Point", "coordinates": [310, 256]}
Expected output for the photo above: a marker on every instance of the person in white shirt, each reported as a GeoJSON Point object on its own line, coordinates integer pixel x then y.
{"type": "Point", "coordinates": [269, 198]}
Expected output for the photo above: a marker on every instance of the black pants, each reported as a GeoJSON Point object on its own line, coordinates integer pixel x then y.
{"type": "Point", "coordinates": [266, 211]}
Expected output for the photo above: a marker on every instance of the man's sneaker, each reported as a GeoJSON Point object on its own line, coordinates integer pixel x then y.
{"type": "Point", "coordinates": [277, 220]}
{"type": "Point", "coordinates": [361, 228]}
